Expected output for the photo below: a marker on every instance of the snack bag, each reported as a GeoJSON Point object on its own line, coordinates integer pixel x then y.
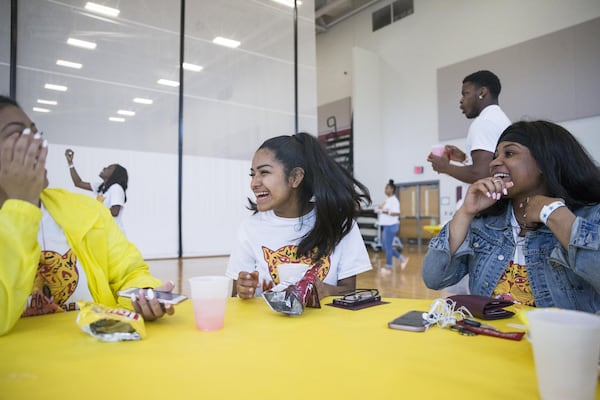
{"type": "Point", "coordinates": [110, 324]}
{"type": "Point", "coordinates": [294, 298]}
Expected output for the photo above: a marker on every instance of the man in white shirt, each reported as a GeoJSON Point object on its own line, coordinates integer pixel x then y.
{"type": "Point", "coordinates": [479, 101]}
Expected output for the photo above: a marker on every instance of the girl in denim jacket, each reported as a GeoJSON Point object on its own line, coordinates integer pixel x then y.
{"type": "Point", "coordinates": [530, 232]}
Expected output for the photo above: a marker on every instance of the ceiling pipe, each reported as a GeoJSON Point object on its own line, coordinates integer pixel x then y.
{"type": "Point", "coordinates": [326, 27]}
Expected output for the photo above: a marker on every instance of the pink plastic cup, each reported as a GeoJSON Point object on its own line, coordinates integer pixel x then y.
{"type": "Point", "coordinates": [438, 150]}
{"type": "Point", "coordinates": [209, 297]}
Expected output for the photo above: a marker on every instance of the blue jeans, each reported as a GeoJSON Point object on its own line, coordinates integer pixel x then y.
{"type": "Point", "coordinates": [388, 234]}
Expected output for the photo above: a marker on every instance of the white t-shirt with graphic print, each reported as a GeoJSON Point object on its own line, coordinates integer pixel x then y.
{"type": "Point", "coordinates": [114, 196]}
{"type": "Point", "coordinates": [268, 244]}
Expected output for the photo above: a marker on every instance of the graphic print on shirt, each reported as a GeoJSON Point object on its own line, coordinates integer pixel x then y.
{"type": "Point", "coordinates": [514, 285]}
{"type": "Point", "coordinates": [288, 255]}
{"type": "Point", "coordinates": [100, 197]}
{"type": "Point", "coordinates": [55, 281]}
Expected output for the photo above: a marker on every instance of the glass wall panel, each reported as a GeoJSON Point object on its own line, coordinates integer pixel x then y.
{"type": "Point", "coordinates": [244, 95]}
{"type": "Point", "coordinates": [95, 114]}
{"type": "Point", "coordinates": [240, 97]}
{"type": "Point", "coordinates": [4, 47]}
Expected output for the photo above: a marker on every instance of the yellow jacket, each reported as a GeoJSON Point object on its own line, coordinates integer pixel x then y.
{"type": "Point", "coordinates": [110, 261]}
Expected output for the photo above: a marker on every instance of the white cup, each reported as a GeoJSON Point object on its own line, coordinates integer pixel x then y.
{"type": "Point", "coordinates": [438, 150]}
{"type": "Point", "coordinates": [566, 347]}
{"type": "Point", "coordinates": [209, 296]}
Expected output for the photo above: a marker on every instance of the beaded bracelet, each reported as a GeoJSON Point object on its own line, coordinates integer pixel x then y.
{"type": "Point", "coordinates": [549, 209]}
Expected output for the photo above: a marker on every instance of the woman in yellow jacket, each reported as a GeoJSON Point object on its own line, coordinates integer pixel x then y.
{"type": "Point", "coordinates": [57, 247]}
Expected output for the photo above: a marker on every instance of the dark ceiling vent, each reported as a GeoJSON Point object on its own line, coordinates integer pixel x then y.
{"type": "Point", "coordinates": [392, 13]}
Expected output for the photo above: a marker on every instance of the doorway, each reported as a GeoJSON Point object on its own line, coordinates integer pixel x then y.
{"type": "Point", "coordinates": [419, 206]}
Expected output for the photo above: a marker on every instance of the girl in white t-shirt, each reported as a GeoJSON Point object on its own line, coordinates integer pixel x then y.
{"type": "Point", "coordinates": [304, 214]}
{"type": "Point", "coordinates": [110, 191]}
{"type": "Point", "coordinates": [387, 219]}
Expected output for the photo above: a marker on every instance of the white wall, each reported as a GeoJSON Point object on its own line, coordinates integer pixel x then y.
{"type": "Point", "coordinates": [439, 33]}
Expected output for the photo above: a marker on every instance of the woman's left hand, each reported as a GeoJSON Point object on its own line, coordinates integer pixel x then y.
{"type": "Point", "coordinates": [148, 306]}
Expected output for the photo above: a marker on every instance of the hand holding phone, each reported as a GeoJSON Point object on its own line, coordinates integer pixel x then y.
{"type": "Point", "coordinates": [411, 321]}
{"type": "Point", "coordinates": [162, 297]}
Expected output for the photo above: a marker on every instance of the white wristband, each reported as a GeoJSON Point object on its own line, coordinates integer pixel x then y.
{"type": "Point", "coordinates": [71, 166]}
{"type": "Point", "coordinates": [549, 209]}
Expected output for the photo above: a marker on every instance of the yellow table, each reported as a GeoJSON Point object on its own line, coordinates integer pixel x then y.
{"type": "Point", "coordinates": [433, 229]}
{"type": "Point", "coordinates": [327, 353]}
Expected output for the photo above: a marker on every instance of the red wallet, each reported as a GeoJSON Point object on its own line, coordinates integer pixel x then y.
{"type": "Point", "coordinates": [483, 307]}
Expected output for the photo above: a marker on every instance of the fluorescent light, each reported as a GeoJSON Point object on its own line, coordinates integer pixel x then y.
{"type": "Point", "coordinates": [142, 100]}
{"type": "Point", "coordinates": [226, 42]}
{"type": "Point", "coordinates": [81, 43]}
{"type": "Point", "coordinates": [116, 119]}
{"type": "Point", "coordinates": [47, 102]}
{"type": "Point", "coordinates": [58, 88]}
{"type": "Point", "coordinates": [126, 112]}
{"type": "Point", "coordinates": [192, 67]}
{"type": "Point", "coordinates": [68, 64]}
{"type": "Point", "coordinates": [167, 82]}
{"type": "Point", "coordinates": [289, 3]}
{"type": "Point", "coordinates": [111, 12]}
{"type": "Point", "coordinates": [42, 110]}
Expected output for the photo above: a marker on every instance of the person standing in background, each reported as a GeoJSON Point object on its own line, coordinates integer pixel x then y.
{"type": "Point", "coordinates": [479, 101]}
{"type": "Point", "coordinates": [387, 219]}
{"type": "Point", "coordinates": [110, 191]}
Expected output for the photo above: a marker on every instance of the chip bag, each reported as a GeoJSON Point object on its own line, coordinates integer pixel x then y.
{"type": "Point", "coordinates": [110, 324]}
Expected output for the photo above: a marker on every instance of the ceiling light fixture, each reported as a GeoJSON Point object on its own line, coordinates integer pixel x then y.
{"type": "Point", "coordinates": [47, 102]}
{"type": "Point", "coordinates": [141, 100]}
{"type": "Point", "coordinates": [126, 112]}
{"type": "Point", "coordinates": [68, 64]}
{"type": "Point", "coordinates": [111, 12]}
{"type": "Point", "coordinates": [58, 88]}
{"type": "Point", "coordinates": [226, 42]}
{"type": "Point", "coordinates": [42, 110]}
{"type": "Point", "coordinates": [116, 119]}
{"type": "Point", "coordinates": [192, 67]}
{"type": "Point", "coordinates": [167, 82]}
{"type": "Point", "coordinates": [81, 43]}
{"type": "Point", "coordinates": [289, 3]}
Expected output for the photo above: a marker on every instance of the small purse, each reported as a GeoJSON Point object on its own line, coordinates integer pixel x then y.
{"type": "Point", "coordinates": [483, 307]}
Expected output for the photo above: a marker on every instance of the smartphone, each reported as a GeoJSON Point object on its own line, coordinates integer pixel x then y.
{"type": "Point", "coordinates": [162, 297]}
{"type": "Point", "coordinates": [411, 321]}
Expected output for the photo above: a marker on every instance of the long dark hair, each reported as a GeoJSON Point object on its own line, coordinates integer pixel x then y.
{"type": "Point", "coordinates": [568, 169]}
{"type": "Point", "coordinates": [119, 177]}
{"type": "Point", "coordinates": [337, 196]}
{"type": "Point", "coordinates": [7, 101]}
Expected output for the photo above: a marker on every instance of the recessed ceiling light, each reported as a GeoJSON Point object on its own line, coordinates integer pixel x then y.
{"type": "Point", "coordinates": [289, 3]}
{"type": "Point", "coordinates": [47, 102]}
{"type": "Point", "coordinates": [226, 42]}
{"type": "Point", "coordinates": [81, 43]}
{"type": "Point", "coordinates": [142, 100]}
{"type": "Point", "coordinates": [192, 67]}
{"type": "Point", "coordinates": [116, 119]}
{"type": "Point", "coordinates": [167, 82]}
{"type": "Point", "coordinates": [111, 12]}
{"type": "Point", "coordinates": [68, 64]}
{"type": "Point", "coordinates": [58, 88]}
{"type": "Point", "coordinates": [126, 112]}
{"type": "Point", "coordinates": [42, 110]}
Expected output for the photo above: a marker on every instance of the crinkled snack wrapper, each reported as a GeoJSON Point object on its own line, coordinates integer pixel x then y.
{"type": "Point", "coordinates": [294, 298]}
{"type": "Point", "coordinates": [110, 324]}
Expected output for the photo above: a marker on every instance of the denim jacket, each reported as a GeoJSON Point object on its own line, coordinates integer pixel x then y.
{"type": "Point", "coordinates": [558, 278]}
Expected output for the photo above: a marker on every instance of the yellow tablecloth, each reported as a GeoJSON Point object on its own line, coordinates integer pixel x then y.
{"type": "Point", "coordinates": [327, 353]}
